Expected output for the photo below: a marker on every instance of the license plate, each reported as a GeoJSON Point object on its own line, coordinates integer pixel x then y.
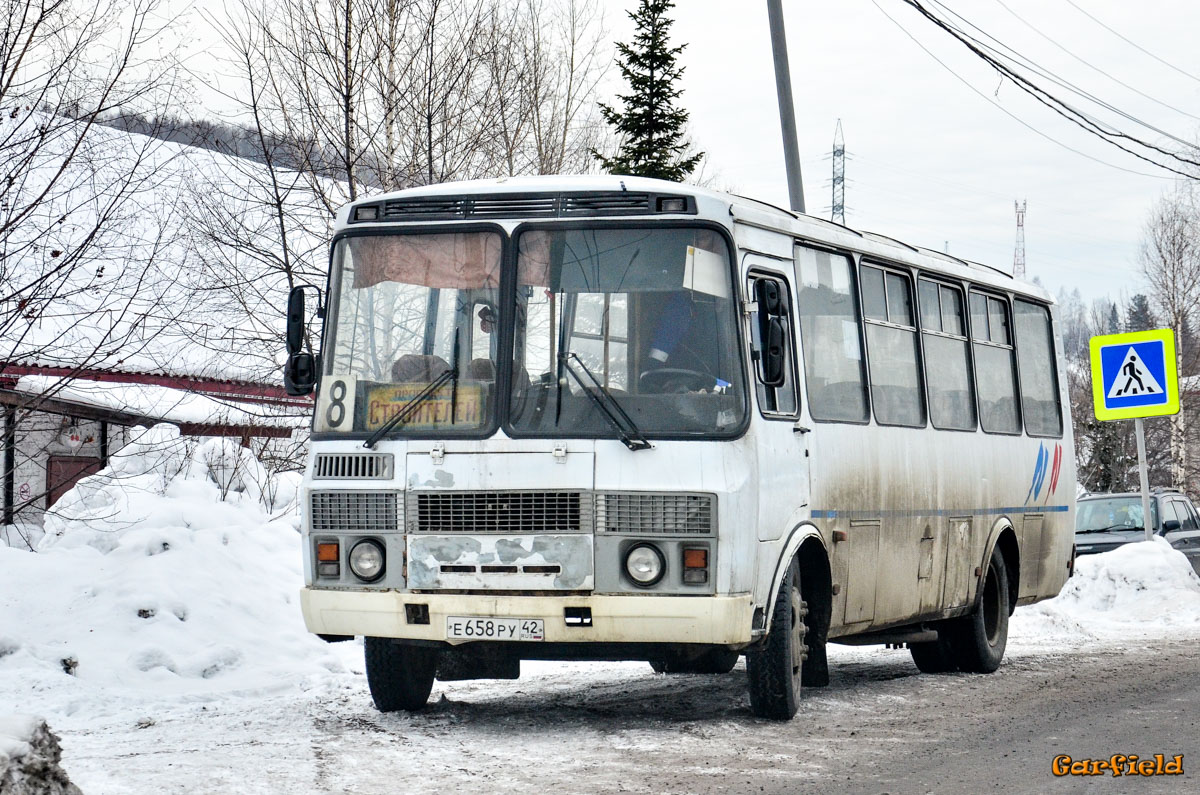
{"type": "Point", "coordinates": [475, 628]}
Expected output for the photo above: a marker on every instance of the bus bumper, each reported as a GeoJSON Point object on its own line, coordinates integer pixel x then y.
{"type": "Point", "coordinates": [718, 620]}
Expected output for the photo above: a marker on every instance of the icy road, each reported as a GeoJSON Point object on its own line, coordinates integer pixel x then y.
{"type": "Point", "coordinates": [880, 727]}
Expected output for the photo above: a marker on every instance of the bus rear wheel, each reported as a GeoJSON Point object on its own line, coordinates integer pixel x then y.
{"type": "Point", "coordinates": [978, 640]}
{"type": "Point", "coordinates": [399, 675]}
{"type": "Point", "coordinates": [773, 669]}
{"type": "Point", "coordinates": [935, 656]}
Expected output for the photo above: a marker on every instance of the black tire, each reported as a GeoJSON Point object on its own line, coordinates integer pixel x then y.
{"type": "Point", "coordinates": [978, 640]}
{"type": "Point", "coordinates": [773, 670]}
{"type": "Point", "coordinates": [713, 661]}
{"type": "Point", "coordinates": [935, 656]}
{"type": "Point", "coordinates": [400, 675]}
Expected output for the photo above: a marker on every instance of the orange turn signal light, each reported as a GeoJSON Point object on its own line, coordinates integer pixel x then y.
{"type": "Point", "coordinates": [695, 558]}
{"type": "Point", "coordinates": [327, 552]}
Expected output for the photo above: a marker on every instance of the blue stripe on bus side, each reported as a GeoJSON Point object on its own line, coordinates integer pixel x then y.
{"type": "Point", "coordinates": [817, 514]}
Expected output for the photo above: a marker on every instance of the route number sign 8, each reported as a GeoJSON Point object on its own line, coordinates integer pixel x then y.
{"type": "Point", "coordinates": [336, 411]}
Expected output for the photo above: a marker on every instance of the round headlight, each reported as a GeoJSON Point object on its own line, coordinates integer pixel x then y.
{"type": "Point", "coordinates": [644, 564]}
{"type": "Point", "coordinates": [366, 560]}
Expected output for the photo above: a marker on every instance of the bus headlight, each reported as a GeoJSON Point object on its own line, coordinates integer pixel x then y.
{"type": "Point", "coordinates": [644, 564]}
{"type": "Point", "coordinates": [366, 560]}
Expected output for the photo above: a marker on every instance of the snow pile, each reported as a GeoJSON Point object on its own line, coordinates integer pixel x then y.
{"type": "Point", "coordinates": [163, 575]}
{"type": "Point", "coordinates": [29, 758]}
{"type": "Point", "coordinates": [1136, 589]}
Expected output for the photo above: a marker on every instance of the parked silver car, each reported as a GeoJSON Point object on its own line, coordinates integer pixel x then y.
{"type": "Point", "coordinates": [1106, 521]}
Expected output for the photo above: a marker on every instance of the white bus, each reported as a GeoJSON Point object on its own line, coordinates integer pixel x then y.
{"type": "Point", "coordinates": [612, 418]}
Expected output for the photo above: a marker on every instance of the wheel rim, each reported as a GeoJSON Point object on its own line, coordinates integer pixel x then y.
{"type": "Point", "coordinates": [991, 605]}
{"type": "Point", "coordinates": [797, 634]}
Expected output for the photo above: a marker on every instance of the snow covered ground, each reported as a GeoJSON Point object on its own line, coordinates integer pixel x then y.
{"type": "Point", "coordinates": [158, 631]}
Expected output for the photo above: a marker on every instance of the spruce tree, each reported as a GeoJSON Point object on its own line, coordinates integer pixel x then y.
{"type": "Point", "coordinates": [1139, 316]}
{"type": "Point", "coordinates": [651, 125]}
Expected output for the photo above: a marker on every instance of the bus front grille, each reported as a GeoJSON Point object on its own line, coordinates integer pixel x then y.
{"type": "Point", "coordinates": [498, 512]}
{"type": "Point", "coordinates": [366, 511]}
{"type": "Point", "coordinates": [352, 466]}
{"type": "Point", "coordinates": [641, 513]}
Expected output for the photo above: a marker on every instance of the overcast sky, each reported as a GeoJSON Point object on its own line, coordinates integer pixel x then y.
{"type": "Point", "coordinates": [933, 157]}
{"type": "Point", "coordinates": [937, 154]}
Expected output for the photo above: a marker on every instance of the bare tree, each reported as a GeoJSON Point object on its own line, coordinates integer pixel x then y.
{"type": "Point", "coordinates": [544, 66]}
{"type": "Point", "coordinates": [69, 188]}
{"type": "Point", "coordinates": [1170, 260]}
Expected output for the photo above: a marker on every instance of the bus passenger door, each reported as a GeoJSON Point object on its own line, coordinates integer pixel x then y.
{"type": "Point", "coordinates": [781, 446]}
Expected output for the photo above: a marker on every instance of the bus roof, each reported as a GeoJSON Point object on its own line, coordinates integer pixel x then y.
{"type": "Point", "coordinates": [710, 204]}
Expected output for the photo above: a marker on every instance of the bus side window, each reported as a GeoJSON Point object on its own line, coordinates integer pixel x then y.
{"type": "Point", "coordinates": [1039, 381]}
{"type": "Point", "coordinates": [772, 335]}
{"type": "Point", "coordinates": [995, 370]}
{"type": "Point", "coordinates": [892, 345]}
{"type": "Point", "coordinates": [947, 359]}
{"type": "Point", "coordinates": [831, 334]}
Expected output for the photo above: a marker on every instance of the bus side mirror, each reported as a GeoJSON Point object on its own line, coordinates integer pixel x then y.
{"type": "Point", "coordinates": [767, 294]}
{"type": "Point", "coordinates": [300, 373]}
{"type": "Point", "coordinates": [772, 314]}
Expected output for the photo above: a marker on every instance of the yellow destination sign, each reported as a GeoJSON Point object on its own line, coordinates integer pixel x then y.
{"type": "Point", "coordinates": [385, 402]}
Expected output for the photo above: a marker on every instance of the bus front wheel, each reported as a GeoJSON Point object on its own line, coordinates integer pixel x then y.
{"type": "Point", "coordinates": [978, 640]}
{"type": "Point", "coordinates": [773, 669]}
{"type": "Point", "coordinates": [400, 675]}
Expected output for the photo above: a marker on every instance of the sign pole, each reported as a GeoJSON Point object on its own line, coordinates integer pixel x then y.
{"type": "Point", "coordinates": [1147, 520]}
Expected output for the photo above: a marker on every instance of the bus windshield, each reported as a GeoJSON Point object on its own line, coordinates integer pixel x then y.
{"type": "Point", "coordinates": [643, 317]}
{"type": "Point", "coordinates": [411, 311]}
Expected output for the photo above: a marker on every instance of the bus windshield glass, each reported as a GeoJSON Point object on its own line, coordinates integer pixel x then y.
{"type": "Point", "coordinates": [642, 317]}
{"type": "Point", "coordinates": [412, 311]}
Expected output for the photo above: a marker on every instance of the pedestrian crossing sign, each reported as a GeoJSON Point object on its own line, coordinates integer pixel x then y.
{"type": "Point", "coordinates": [1133, 375]}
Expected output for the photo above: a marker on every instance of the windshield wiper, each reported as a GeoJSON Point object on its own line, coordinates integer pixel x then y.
{"type": "Point", "coordinates": [631, 436]}
{"type": "Point", "coordinates": [405, 414]}
{"type": "Point", "coordinates": [1110, 528]}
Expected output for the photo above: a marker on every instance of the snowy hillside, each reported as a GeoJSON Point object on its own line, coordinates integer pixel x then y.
{"type": "Point", "coordinates": [159, 622]}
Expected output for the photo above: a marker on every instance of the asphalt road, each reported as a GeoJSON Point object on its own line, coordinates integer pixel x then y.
{"type": "Point", "coordinates": [1001, 733]}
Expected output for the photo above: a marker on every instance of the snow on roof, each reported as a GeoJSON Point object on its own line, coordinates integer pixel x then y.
{"type": "Point", "coordinates": [159, 403]}
{"type": "Point", "coordinates": [153, 293]}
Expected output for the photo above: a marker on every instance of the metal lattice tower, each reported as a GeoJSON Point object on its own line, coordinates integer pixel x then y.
{"type": "Point", "coordinates": [838, 211]}
{"type": "Point", "coordinates": [1019, 252]}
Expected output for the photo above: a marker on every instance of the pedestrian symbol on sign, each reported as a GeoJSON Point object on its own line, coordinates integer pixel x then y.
{"type": "Point", "coordinates": [1134, 378]}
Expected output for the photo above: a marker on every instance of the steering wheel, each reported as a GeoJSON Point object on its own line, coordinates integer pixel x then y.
{"type": "Point", "coordinates": [675, 380]}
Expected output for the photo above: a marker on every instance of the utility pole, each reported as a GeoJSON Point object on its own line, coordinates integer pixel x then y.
{"type": "Point", "coordinates": [1019, 251]}
{"type": "Point", "coordinates": [787, 113]}
{"type": "Point", "coordinates": [838, 206]}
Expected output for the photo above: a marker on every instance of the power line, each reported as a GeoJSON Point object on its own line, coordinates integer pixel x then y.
{"type": "Point", "coordinates": [1092, 66]}
{"type": "Point", "coordinates": [1074, 115]}
{"type": "Point", "coordinates": [1005, 110]}
{"type": "Point", "coordinates": [1004, 51]}
{"type": "Point", "coordinates": [1132, 43]}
